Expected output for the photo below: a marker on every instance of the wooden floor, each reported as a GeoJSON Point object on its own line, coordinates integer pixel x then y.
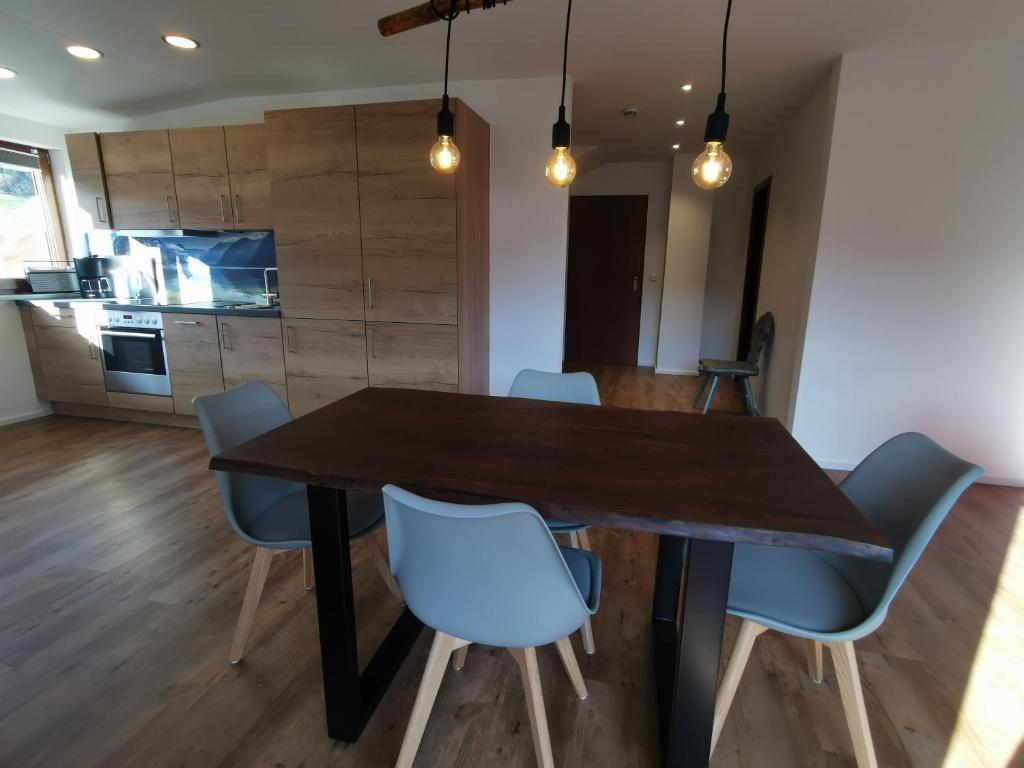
{"type": "Point", "coordinates": [120, 582]}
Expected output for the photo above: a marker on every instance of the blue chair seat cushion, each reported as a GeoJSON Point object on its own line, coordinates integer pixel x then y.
{"type": "Point", "coordinates": [285, 523]}
{"type": "Point", "coordinates": [796, 588]}
{"type": "Point", "coordinates": [585, 568]}
{"type": "Point", "coordinates": [728, 368]}
{"type": "Point", "coordinates": [559, 526]}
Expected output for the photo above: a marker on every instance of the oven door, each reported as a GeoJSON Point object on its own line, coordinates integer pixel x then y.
{"type": "Point", "coordinates": [134, 361]}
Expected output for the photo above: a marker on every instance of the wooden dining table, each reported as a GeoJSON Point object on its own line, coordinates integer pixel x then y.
{"type": "Point", "coordinates": [702, 484]}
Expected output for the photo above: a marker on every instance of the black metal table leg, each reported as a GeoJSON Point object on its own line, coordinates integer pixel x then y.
{"type": "Point", "coordinates": [348, 697]}
{"type": "Point", "coordinates": [687, 655]}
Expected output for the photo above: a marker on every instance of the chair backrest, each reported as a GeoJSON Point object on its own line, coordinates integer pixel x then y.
{"type": "Point", "coordinates": [488, 574]}
{"type": "Point", "coordinates": [761, 337]}
{"type": "Point", "coordinates": [229, 419]}
{"type": "Point", "coordinates": [905, 488]}
{"type": "Point", "coordinates": [561, 387]}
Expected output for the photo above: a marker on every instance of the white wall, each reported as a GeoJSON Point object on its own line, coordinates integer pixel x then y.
{"type": "Point", "coordinates": [652, 178]}
{"type": "Point", "coordinates": [727, 262]}
{"type": "Point", "coordinates": [916, 311]}
{"type": "Point", "coordinates": [686, 261]}
{"type": "Point", "coordinates": [797, 160]}
{"type": "Point", "coordinates": [529, 218]}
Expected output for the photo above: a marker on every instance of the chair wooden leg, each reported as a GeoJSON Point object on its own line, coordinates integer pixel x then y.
{"type": "Point", "coordinates": [701, 386]}
{"type": "Point", "coordinates": [257, 578]}
{"type": "Point", "coordinates": [459, 660]}
{"type": "Point", "coordinates": [815, 666]}
{"type": "Point", "coordinates": [307, 568]}
{"type": "Point", "coordinates": [381, 564]}
{"type": "Point", "coordinates": [572, 668]}
{"type": "Point", "coordinates": [711, 394]}
{"type": "Point", "coordinates": [848, 675]}
{"type": "Point", "coordinates": [584, 541]}
{"type": "Point", "coordinates": [587, 633]}
{"type": "Point", "coordinates": [748, 397]}
{"type": "Point", "coordinates": [440, 650]}
{"type": "Point", "coordinates": [526, 658]}
{"type": "Point", "coordinates": [733, 672]}
{"type": "Point", "coordinates": [574, 539]}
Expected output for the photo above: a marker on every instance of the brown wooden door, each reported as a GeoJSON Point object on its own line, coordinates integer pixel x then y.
{"type": "Point", "coordinates": [251, 350]}
{"type": "Point", "coordinates": [87, 170]}
{"type": "Point", "coordinates": [414, 356]}
{"type": "Point", "coordinates": [313, 185]}
{"type": "Point", "coordinates": [193, 358]}
{"type": "Point", "coordinates": [140, 179]}
{"type": "Point", "coordinates": [325, 360]}
{"type": "Point", "coordinates": [604, 284]}
{"type": "Point", "coordinates": [201, 177]}
{"type": "Point", "coordinates": [249, 175]}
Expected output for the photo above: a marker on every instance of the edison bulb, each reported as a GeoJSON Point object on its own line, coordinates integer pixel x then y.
{"type": "Point", "coordinates": [712, 167]}
{"type": "Point", "coordinates": [560, 169]}
{"type": "Point", "coordinates": [444, 155]}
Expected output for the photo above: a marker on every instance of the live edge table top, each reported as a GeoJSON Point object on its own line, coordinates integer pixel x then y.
{"type": "Point", "coordinates": [723, 478]}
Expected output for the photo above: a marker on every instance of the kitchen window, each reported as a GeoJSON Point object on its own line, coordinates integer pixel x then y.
{"type": "Point", "coordinates": [30, 228]}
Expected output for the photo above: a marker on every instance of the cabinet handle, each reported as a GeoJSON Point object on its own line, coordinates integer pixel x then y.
{"type": "Point", "coordinates": [636, 282]}
{"type": "Point", "coordinates": [99, 211]}
{"type": "Point", "coordinates": [223, 208]}
{"type": "Point", "coordinates": [369, 291]}
{"type": "Point", "coordinates": [93, 354]}
{"type": "Point", "coordinates": [291, 339]}
{"type": "Point", "coordinates": [225, 335]}
{"type": "Point", "coordinates": [186, 322]}
{"type": "Point", "coordinates": [373, 344]}
{"type": "Point", "coordinates": [170, 216]}
{"type": "Point", "coordinates": [237, 203]}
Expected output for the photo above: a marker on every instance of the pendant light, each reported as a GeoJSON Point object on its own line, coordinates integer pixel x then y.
{"type": "Point", "coordinates": [560, 168]}
{"type": "Point", "coordinates": [444, 155]}
{"type": "Point", "coordinates": [713, 167]}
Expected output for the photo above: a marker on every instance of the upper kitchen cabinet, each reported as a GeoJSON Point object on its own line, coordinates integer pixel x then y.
{"type": "Point", "coordinates": [315, 199]}
{"type": "Point", "coordinates": [140, 180]}
{"type": "Point", "coordinates": [249, 175]}
{"type": "Point", "coordinates": [200, 163]}
{"type": "Point", "coordinates": [87, 171]}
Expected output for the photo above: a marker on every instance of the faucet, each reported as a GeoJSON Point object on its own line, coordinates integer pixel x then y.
{"type": "Point", "coordinates": [268, 296]}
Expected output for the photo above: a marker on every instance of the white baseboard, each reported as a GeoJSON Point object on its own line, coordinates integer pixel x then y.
{"type": "Point", "coordinates": [986, 479]}
{"type": "Point", "coordinates": [676, 371]}
{"type": "Point", "coordinates": [38, 414]}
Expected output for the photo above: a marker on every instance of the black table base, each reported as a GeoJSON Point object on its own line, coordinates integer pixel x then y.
{"type": "Point", "coordinates": [349, 697]}
{"type": "Point", "coordinates": [687, 652]}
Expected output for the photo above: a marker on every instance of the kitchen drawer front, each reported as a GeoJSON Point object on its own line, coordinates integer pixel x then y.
{"type": "Point", "coordinates": [193, 358]}
{"type": "Point", "coordinates": [325, 360]}
{"type": "Point", "coordinates": [51, 317]}
{"type": "Point", "coordinates": [70, 363]}
{"type": "Point", "coordinates": [136, 402]}
{"type": "Point", "coordinates": [251, 350]}
{"type": "Point", "coordinates": [417, 356]}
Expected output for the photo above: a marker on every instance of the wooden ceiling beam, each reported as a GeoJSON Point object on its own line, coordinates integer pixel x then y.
{"type": "Point", "coordinates": [424, 14]}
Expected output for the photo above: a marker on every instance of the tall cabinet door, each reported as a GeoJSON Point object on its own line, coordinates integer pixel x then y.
{"type": "Point", "coordinates": [325, 360]}
{"type": "Point", "coordinates": [193, 358]}
{"type": "Point", "coordinates": [410, 259]}
{"type": "Point", "coordinates": [312, 155]}
{"type": "Point", "coordinates": [140, 180]}
{"type": "Point", "coordinates": [70, 363]}
{"type": "Point", "coordinates": [249, 175]}
{"type": "Point", "coordinates": [250, 350]}
{"type": "Point", "coordinates": [87, 170]}
{"type": "Point", "coordinates": [413, 355]}
{"type": "Point", "coordinates": [201, 177]}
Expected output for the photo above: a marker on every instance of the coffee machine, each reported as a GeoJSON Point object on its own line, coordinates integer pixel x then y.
{"type": "Point", "coordinates": [94, 277]}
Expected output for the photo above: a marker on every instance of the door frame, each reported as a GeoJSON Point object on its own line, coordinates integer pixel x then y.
{"type": "Point", "coordinates": [757, 231]}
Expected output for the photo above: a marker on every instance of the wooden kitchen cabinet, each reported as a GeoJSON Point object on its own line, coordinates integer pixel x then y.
{"type": "Point", "coordinates": [251, 350]}
{"type": "Point", "coordinates": [90, 182]}
{"type": "Point", "coordinates": [325, 360]}
{"type": "Point", "coordinates": [200, 163]}
{"type": "Point", "coordinates": [314, 193]}
{"type": "Point", "coordinates": [249, 176]}
{"type": "Point", "coordinates": [140, 180]}
{"type": "Point", "coordinates": [193, 358]}
{"type": "Point", "coordinates": [413, 355]}
{"type": "Point", "coordinates": [70, 363]}
{"type": "Point", "coordinates": [32, 346]}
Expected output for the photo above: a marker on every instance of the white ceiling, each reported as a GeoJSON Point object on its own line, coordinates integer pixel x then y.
{"type": "Point", "coordinates": [622, 53]}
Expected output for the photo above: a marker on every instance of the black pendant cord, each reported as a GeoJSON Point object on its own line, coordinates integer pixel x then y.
{"type": "Point", "coordinates": [445, 118]}
{"type": "Point", "coordinates": [565, 50]}
{"type": "Point", "coordinates": [718, 121]}
{"type": "Point", "coordinates": [560, 131]}
{"type": "Point", "coordinates": [725, 42]}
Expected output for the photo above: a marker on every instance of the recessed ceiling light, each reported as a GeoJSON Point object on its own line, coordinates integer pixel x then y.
{"type": "Point", "coordinates": [675, 146]}
{"type": "Point", "coordinates": [84, 52]}
{"type": "Point", "coordinates": [688, 87]}
{"type": "Point", "coordinates": [180, 41]}
{"type": "Point", "coordinates": [680, 122]}
{"type": "Point", "coordinates": [7, 74]}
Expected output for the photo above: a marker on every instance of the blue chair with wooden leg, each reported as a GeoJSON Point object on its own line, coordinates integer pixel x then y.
{"type": "Point", "coordinates": [268, 513]}
{"type": "Point", "coordinates": [492, 575]}
{"type": "Point", "coordinates": [741, 370]}
{"type": "Point", "coordinates": [905, 488]}
{"type": "Point", "coordinates": [563, 388]}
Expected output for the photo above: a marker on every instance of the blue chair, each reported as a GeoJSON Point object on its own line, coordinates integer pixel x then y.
{"type": "Point", "coordinates": [578, 388]}
{"type": "Point", "coordinates": [905, 488]}
{"type": "Point", "coordinates": [494, 575]}
{"type": "Point", "coordinates": [269, 513]}
{"type": "Point", "coordinates": [741, 370]}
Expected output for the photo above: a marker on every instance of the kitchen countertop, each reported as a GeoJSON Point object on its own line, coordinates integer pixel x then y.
{"type": "Point", "coordinates": [65, 301]}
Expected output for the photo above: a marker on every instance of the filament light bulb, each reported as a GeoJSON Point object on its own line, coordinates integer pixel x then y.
{"type": "Point", "coordinates": [444, 155]}
{"type": "Point", "coordinates": [712, 167]}
{"type": "Point", "coordinates": [560, 169]}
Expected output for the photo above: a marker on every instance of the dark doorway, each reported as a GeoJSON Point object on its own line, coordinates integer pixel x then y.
{"type": "Point", "coordinates": [752, 276]}
{"type": "Point", "coordinates": [604, 284]}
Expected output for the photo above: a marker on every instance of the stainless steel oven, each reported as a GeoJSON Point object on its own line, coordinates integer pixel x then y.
{"type": "Point", "coordinates": [134, 353]}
